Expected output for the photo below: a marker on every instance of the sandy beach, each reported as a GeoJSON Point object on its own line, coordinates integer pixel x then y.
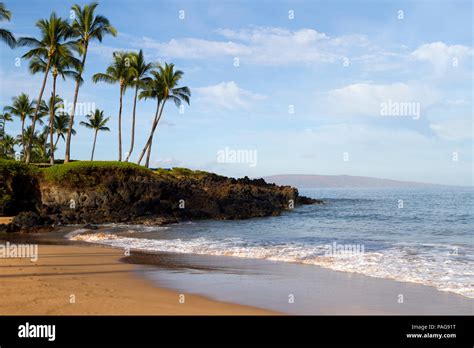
{"type": "Point", "coordinates": [95, 279]}
{"type": "Point", "coordinates": [5, 219]}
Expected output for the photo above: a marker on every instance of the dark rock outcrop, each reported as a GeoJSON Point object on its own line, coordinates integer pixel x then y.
{"type": "Point", "coordinates": [159, 199]}
{"type": "Point", "coordinates": [28, 221]}
{"type": "Point", "coordinates": [106, 194]}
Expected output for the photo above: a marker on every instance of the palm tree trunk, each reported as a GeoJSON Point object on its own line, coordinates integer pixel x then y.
{"type": "Point", "coordinates": [67, 155]}
{"type": "Point", "coordinates": [56, 142]}
{"type": "Point", "coordinates": [33, 123]}
{"type": "Point", "coordinates": [23, 135]}
{"type": "Point", "coordinates": [93, 146]}
{"type": "Point", "coordinates": [148, 154]}
{"type": "Point", "coordinates": [133, 125]}
{"type": "Point", "coordinates": [159, 110]}
{"type": "Point", "coordinates": [120, 124]}
{"type": "Point", "coordinates": [51, 121]}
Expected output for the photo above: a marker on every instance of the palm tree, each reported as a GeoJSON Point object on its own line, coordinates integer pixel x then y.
{"type": "Point", "coordinates": [163, 87]}
{"type": "Point", "coordinates": [4, 118]}
{"type": "Point", "coordinates": [51, 108]}
{"type": "Point", "coordinates": [40, 143]}
{"type": "Point", "coordinates": [6, 35]}
{"type": "Point", "coordinates": [23, 108]}
{"type": "Point", "coordinates": [39, 150]}
{"type": "Point", "coordinates": [7, 144]}
{"type": "Point", "coordinates": [140, 78]}
{"type": "Point", "coordinates": [87, 27]}
{"type": "Point", "coordinates": [65, 65]}
{"type": "Point", "coordinates": [53, 32]}
{"type": "Point", "coordinates": [97, 122]}
{"type": "Point", "coordinates": [61, 126]}
{"type": "Point", "coordinates": [120, 71]}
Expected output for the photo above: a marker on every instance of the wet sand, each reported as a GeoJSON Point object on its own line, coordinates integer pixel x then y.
{"type": "Point", "coordinates": [298, 289]}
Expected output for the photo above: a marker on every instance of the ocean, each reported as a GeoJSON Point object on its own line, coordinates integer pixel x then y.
{"type": "Point", "coordinates": [414, 235]}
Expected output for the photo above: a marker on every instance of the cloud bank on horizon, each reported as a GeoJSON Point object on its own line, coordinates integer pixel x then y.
{"type": "Point", "coordinates": [359, 88]}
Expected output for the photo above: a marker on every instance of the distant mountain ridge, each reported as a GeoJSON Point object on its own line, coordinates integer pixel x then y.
{"type": "Point", "coordinates": [302, 181]}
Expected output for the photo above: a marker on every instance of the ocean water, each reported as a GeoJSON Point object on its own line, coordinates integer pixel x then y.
{"type": "Point", "coordinates": [418, 235]}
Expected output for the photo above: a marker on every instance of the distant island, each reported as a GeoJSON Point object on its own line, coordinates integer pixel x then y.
{"type": "Point", "coordinates": [303, 181]}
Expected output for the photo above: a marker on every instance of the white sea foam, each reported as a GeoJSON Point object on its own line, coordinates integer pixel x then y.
{"type": "Point", "coordinates": [428, 264]}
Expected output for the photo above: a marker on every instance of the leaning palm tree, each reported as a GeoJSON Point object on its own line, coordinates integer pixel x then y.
{"type": "Point", "coordinates": [6, 35]}
{"type": "Point", "coordinates": [121, 72]}
{"type": "Point", "coordinates": [97, 122]}
{"type": "Point", "coordinates": [63, 64]}
{"type": "Point", "coordinates": [163, 87]}
{"type": "Point", "coordinates": [53, 32]}
{"type": "Point", "coordinates": [139, 80]}
{"type": "Point", "coordinates": [22, 107]}
{"type": "Point", "coordinates": [86, 27]}
{"type": "Point", "coordinates": [61, 126]}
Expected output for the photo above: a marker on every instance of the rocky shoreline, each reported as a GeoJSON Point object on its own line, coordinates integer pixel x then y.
{"type": "Point", "coordinates": [131, 194]}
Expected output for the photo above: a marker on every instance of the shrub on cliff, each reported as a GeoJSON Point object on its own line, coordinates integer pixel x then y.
{"type": "Point", "coordinates": [89, 173]}
{"type": "Point", "coordinates": [17, 186]}
{"type": "Point", "coordinates": [10, 167]}
{"type": "Point", "coordinates": [178, 172]}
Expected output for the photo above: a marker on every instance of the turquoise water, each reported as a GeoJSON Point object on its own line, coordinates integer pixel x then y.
{"type": "Point", "coordinates": [414, 235]}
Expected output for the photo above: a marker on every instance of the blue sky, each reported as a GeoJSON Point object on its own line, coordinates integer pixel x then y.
{"type": "Point", "coordinates": [334, 63]}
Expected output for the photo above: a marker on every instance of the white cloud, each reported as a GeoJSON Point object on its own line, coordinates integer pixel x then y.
{"type": "Point", "coordinates": [260, 45]}
{"type": "Point", "coordinates": [460, 129]}
{"type": "Point", "coordinates": [227, 95]}
{"type": "Point", "coordinates": [262, 35]}
{"type": "Point", "coordinates": [194, 48]}
{"type": "Point", "coordinates": [168, 162]}
{"type": "Point", "coordinates": [366, 98]}
{"type": "Point", "coordinates": [442, 56]}
{"type": "Point", "coordinates": [456, 102]}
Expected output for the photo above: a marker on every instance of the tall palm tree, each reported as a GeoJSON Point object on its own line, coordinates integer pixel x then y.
{"type": "Point", "coordinates": [64, 65]}
{"type": "Point", "coordinates": [61, 126]}
{"type": "Point", "coordinates": [6, 35]}
{"type": "Point", "coordinates": [139, 80]}
{"type": "Point", "coordinates": [53, 32]}
{"type": "Point", "coordinates": [97, 122]}
{"type": "Point", "coordinates": [163, 87]}
{"type": "Point", "coordinates": [119, 71]}
{"type": "Point", "coordinates": [22, 107]}
{"type": "Point", "coordinates": [86, 27]}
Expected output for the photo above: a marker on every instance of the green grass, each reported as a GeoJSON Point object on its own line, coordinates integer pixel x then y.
{"type": "Point", "coordinates": [178, 172]}
{"type": "Point", "coordinates": [89, 174]}
{"type": "Point", "coordinates": [79, 172]}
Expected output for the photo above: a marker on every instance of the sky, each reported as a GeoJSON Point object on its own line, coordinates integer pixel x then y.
{"type": "Point", "coordinates": [369, 88]}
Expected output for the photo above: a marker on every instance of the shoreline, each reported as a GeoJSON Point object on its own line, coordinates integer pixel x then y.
{"type": "Point", "coordinates": [93, 280]}
{"type": "Point", "coordinates": [315, 290]}
{"type": "Point", "coordinates": [169, 274]}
